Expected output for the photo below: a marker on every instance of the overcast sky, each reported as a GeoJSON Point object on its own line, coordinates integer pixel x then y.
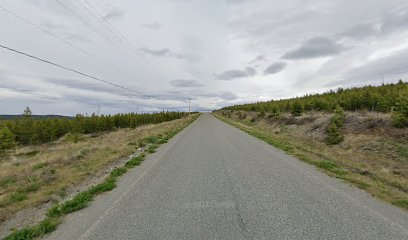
{"type": "Point", "coordinates": [215, 52]}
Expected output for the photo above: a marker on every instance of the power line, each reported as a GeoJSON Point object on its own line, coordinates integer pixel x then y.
{"type": "Point", "coordinates": [74, 71]}
{"type": "Point", "coordinates": [60, 39]}
{"type": "Point", "coordinates": [115, 32]}
{"type": "Point", "coordinates": [93, 29]}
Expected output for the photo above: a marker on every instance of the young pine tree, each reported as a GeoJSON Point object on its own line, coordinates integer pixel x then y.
{"type": "Point", "coordinates": [334, 130]}
{"type": "Point", "coordinates": [7, 139]}
{"type": "Point", "coordinates": [400, 115]}
{"type": "Point", "coordinates": [297, 109]}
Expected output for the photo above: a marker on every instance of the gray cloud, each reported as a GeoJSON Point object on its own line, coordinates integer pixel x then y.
{"type": "Point", "coordinates": [395, 20]}
{"type": "Point", "coordinates": [114, 14]}
{"type": "Point", "coordinates": [393, 65]}
{"type": "Point", "coordinates": [153, 25]}
{"type": "Point", "coordinates": [165, 52]}
{"type": "Point", "coordinates": [259, 58]}
{"type": "Point", "coordinates": [185, 83]}
{"type": "Point", "coordinates": [236, 73]}
{"type": "Point", "coordinates": [275, 68]}
{"type": "Point", "coordinates": [360, 31]}
{"type": "Point", "coordinates": [390, 22]}
{"type": "Point", "coordinates": [227, 95]}
{"type": "Point", "coordinates": [315, 48]}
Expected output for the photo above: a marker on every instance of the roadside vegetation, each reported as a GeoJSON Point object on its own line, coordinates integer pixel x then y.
{"type": "Point", "coordinates": [28, 130]}
{"type": "Point", "coordinates": [386, 98]}
{"type": "Point", "coordinates": [365, 145]}
{"type": "Point", "coordinates": [47, 175]}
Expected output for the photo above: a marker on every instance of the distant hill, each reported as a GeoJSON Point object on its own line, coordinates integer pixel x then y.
{"type": "Point", "coordinates": [8, 117]}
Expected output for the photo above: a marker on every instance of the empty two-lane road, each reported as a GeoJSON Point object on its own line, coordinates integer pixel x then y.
{"type": "Point", "coordinates": [213, 181]}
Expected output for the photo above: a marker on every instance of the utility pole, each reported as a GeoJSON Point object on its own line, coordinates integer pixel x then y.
{"type": "Point", "coordinates": [99, 110]}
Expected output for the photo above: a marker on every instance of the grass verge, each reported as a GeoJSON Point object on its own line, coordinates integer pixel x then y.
{"type": "Point", "coordinates": [56, 213]}
{"type": "Point", "coordinates": [332, 162]}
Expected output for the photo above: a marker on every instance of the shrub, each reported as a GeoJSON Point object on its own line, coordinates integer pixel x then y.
{"type": "Point", "coordinates": [7, 138]}
{"type": "Point", "coordinates": [297, 109]}
{"type": "Point", "coordinates": [334, 134]}
{"type": "Point", "coordinates": [400, 116]}
{"type": "Point", "coordinates": [334, 130]}
{"type": "Point", "coordinates": [74, 137]}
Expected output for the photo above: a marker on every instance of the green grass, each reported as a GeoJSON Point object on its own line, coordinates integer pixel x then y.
{"type": "Point", "coordinates": [46, 226]}
{"type": "Point", "coordinates": [18, 196]}
{"type": "Point", "coordinates": [32, 187]}
{"type": "Point", "coordinates": [6, 181]}
{"type": "Point", "coordinates": [136, 161]}
{"type": "Point", "coordinates": [118, 172]}
{"type": "Point", "coordinates": [80, 201]}
{"type": "Point", "coordinates": [403, 203]}
{"type": "Point", "coordinates": [39, 165]}
{"type": "Point", "coordinates": [105, 186]}
{"type": "Point", "coordinates": [152, 139]}
{"type": "Point", "coordinates": [152, 148]}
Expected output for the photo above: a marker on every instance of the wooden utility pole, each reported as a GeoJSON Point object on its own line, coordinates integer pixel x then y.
{"type": "Point", "coordinates": [189, 100]}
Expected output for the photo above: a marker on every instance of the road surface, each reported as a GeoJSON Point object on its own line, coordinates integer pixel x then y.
{"type": "Point", "coordinates": [213, 181]}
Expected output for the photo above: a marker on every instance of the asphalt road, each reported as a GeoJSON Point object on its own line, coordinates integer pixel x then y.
{"type": "Point", "coordinates": [213, 181]}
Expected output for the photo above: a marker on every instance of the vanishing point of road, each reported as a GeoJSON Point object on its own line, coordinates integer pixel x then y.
{"type": "Point", "coordinates": [213, 181]}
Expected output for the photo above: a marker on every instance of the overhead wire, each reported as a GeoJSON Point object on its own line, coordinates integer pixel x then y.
{"type": "Point", "coordinates": [74, 71]}
{"type": "Point", "coordinates": [121, 35]}
{"type": "Point", "coordinates": [89, 26]}
{"type": "Point", "coordinates": [41, 29]}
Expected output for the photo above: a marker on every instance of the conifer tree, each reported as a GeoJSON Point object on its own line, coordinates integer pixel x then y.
{"type": "Point", "coordinates": [7, 138]}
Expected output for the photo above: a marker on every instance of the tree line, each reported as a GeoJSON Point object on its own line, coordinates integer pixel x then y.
{"type": "Point", "coordinates": [27, 130]}
{"type": "Point", "coordinates": [382, 98]}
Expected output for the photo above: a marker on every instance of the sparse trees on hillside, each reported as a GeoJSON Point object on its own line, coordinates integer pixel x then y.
{"type": "Point", "coordinates": [27, 130]}
{"type": "Point", "coordinates": [381, 98]}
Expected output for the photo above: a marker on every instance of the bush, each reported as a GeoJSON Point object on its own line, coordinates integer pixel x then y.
{"type": "Point", "coordinates": [7, 138]}
{"type": "Point", "coordinates": [334, 134]}
{"type": "Point", "coordinates": [74, 137]}
{"type": "Point", "coordinates": [339, 117]}
{"type": "Point", "coordinates": [297, 109]}
{"type": "Point", "coordinates": [334, 131]}
{"type": "Point", "coordinates": [400, 116]}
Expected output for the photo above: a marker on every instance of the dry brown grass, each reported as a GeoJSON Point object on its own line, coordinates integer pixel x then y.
{"type": "Point", "coordinates": [34, 175]}
{"type": "Point", "coordinates": [373, 155]}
